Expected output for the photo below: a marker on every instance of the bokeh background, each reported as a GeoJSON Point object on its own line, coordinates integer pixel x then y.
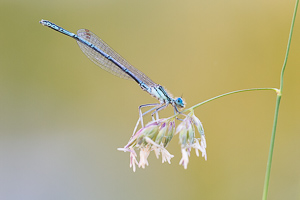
{"type": "Point", "coordinates": [62, 118]}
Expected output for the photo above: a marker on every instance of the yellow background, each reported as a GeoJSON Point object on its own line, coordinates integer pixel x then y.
{"type": "Point", "coordinates": [63, 118]}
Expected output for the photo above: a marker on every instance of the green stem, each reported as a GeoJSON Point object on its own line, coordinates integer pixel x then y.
{"type": "Point", "coordinates": [222, 95]}
{"type": "Point", "coordinates": [269, 163]}
{"type": "Point", "coordinates": [288, 45]}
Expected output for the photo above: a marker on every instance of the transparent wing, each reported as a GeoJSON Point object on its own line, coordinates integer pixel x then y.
{"type": "Point", "coordinates": [103, 62]}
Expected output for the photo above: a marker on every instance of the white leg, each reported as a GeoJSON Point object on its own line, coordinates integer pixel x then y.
{"type": "Point", "coordinates": [137, 124]}
{"type": "Point", "coordinates": [142, 114]}
{"type": "Point", "coordinates": [161, 107]}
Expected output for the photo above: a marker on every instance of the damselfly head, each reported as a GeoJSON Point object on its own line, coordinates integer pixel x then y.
{"type": "Point", "coordinates": [179, 102]}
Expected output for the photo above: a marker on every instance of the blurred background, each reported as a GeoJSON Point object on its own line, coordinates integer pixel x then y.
{"type": "Point", "coordinates": [62, 118]}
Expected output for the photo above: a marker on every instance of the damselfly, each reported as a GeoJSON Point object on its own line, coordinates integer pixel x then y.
{"type": "Point", "coordinates": [106, 58]}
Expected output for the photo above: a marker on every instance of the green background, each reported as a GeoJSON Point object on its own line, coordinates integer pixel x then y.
{"type": "Point", "coordinates": [62, 118]}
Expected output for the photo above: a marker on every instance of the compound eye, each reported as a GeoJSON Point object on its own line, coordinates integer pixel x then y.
{"type": "Point", "coordinates": [179, 102]}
